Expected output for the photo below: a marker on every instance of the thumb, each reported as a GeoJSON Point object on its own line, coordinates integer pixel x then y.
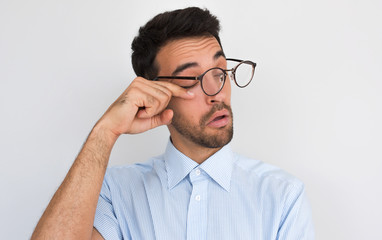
{"type": "Point", "coordinates": [164, 118]}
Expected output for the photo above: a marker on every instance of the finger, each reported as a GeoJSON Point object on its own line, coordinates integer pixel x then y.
{"type": "Point", "coordinates": [147, 112]}
{"type": "Point", "coordinates": [162, 93]}
{"type": "Point", "coordinates": [155, 98]}
{"type": "Point", "coordinates": [176, 90]}
{"type": "Point", "coordinates": [152, 105]}
{"type": "Point", "coordinates": [164, 118]}
{"type": "Point", "coordinates": [148, 99]}
{"type": "Point", "coordinates": [155, 88]}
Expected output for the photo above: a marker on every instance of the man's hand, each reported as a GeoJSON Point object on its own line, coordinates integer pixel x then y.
{"type": "Point", "coordinates": [70, 213]}
{"type": "Point", "coordinates": [142, 106]}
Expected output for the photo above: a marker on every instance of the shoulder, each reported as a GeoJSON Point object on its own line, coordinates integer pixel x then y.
{"type": "Point", "coordinates": [132, 172]}
{"type": "Point", "coordinates": [259, 172]}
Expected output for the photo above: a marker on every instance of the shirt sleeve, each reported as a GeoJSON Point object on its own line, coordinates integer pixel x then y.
{"type": "Point", "coordinates": [105, 220]}
{"type": "Point", "coordinates": [296, 221]}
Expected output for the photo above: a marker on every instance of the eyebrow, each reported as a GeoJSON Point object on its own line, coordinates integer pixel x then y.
{"type": "Point", "coordinates": [195, 64]}
{"type": "Point", "coordinates": [219, 54]}
{"type": "Point", "coordinates": [184, 67]}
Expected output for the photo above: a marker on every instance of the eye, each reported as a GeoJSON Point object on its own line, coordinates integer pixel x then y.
{"type": "Point", "coordinates": [219, 77]}
{"type": "Point", "coordinates": [186, 83]}
{"type": "Point", "coordinates": [189, 86]}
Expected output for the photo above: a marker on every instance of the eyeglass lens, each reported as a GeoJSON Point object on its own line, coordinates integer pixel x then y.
{"type": "Point", "coordinates": [213, 80]}
{"type": "Point", "coordinates": [243, 74]}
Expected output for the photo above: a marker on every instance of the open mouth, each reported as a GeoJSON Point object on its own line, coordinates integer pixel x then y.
{"type": "Point", "coordinates": [219, 119]}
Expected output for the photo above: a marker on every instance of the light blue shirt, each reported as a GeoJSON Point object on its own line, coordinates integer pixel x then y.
{"type": "Point", "coordinates": [228, 196]}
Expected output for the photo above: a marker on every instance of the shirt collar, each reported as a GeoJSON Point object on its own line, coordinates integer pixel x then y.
{"type": "Point", "coordinates": [218, 166]}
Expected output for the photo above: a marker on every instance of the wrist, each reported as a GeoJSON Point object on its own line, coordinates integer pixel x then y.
{"type": "Point", "coordinates": [100, 131]}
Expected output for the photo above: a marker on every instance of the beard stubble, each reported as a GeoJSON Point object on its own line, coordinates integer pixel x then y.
{"type": "Point", "coordinates": [197, 133]}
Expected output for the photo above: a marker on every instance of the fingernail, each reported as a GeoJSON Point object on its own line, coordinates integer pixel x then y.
{"type": "Point", "coordinates": [190, 93]}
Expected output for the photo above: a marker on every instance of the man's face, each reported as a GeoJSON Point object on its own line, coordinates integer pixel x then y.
{"type": "Point", "coordinates": [205, 120]}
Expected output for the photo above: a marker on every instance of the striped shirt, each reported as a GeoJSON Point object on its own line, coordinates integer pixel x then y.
{"type": "Point", "coordinates": [228, 196]}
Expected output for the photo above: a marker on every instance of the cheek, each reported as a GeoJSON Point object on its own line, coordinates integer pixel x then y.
{"type": "Point", "coordinates": [179, 106]}
{"type": "Point", "coordinates": [187, 109]}
{"type": "Point", "coordinates": [172, 105]}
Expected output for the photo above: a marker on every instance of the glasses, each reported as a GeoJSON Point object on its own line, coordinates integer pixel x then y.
{"type": "Point", "coordinates": [212, 81]}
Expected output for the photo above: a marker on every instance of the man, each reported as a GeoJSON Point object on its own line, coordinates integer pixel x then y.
{"type": "Point", "coordinates": [199, 188]}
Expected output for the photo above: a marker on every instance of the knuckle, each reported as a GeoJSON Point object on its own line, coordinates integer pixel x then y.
{"type": "Point", "coordinates": [139, 79]}
{"type": "Point", "coordinates": [136, 83]}
{"type": "Point", "coordinates": [168, 92]}
{"type": "Point", "coordinates": [163, 93]}
{"type": "Point", "coordinates": [152, 100]}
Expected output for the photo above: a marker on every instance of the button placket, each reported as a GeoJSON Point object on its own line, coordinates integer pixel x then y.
{"type": "Point", "coordinates": [197, 209]}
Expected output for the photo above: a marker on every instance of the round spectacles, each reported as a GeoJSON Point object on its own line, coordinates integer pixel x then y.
{"type": "Point", "coordinates": [212, 81]}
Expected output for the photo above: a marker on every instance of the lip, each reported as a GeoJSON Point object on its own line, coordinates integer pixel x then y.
{"type": "Point", "coordinates": [219, 119]}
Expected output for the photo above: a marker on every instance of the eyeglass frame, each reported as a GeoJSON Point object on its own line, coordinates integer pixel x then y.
{"type": "Point", "coordinates": [200, 77]}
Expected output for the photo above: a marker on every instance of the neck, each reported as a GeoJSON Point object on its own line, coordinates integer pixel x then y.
{"type": "Point", "coordinates": [192, 150]}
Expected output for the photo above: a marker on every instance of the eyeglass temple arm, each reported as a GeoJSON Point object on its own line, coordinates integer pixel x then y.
{"type": "Point", "coordinates": [238, 60]}
{"type": "Point", "coordinates": [176, 77]}
{"type": "Point", "coordinates": [233, 59]}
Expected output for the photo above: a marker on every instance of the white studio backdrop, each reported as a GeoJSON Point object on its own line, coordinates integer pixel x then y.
{"type": "Point", "coordinates": [313, 109]}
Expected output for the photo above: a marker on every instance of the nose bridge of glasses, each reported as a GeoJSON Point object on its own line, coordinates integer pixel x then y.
{"type": "Point", "coordinates": [230, 73]}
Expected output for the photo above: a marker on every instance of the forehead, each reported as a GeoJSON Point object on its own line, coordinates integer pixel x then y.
{"type": "Point", "coordinates": [180, 51]}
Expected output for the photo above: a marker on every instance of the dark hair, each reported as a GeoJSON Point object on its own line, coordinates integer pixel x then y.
{"type": "Point", "coordinates": [188, 22]}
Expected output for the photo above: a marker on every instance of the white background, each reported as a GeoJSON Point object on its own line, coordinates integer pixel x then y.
{"type": "Point", "coordinates": [314, 108]}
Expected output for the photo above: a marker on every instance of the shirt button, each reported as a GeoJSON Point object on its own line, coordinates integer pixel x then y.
{"type": "Point", "coordinates": [197, 198]}
{"type": "Point", "coordinates": [197, 172]}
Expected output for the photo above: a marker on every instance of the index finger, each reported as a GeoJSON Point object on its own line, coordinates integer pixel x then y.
{"type": "Point", "coordinates": [176, 90]}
